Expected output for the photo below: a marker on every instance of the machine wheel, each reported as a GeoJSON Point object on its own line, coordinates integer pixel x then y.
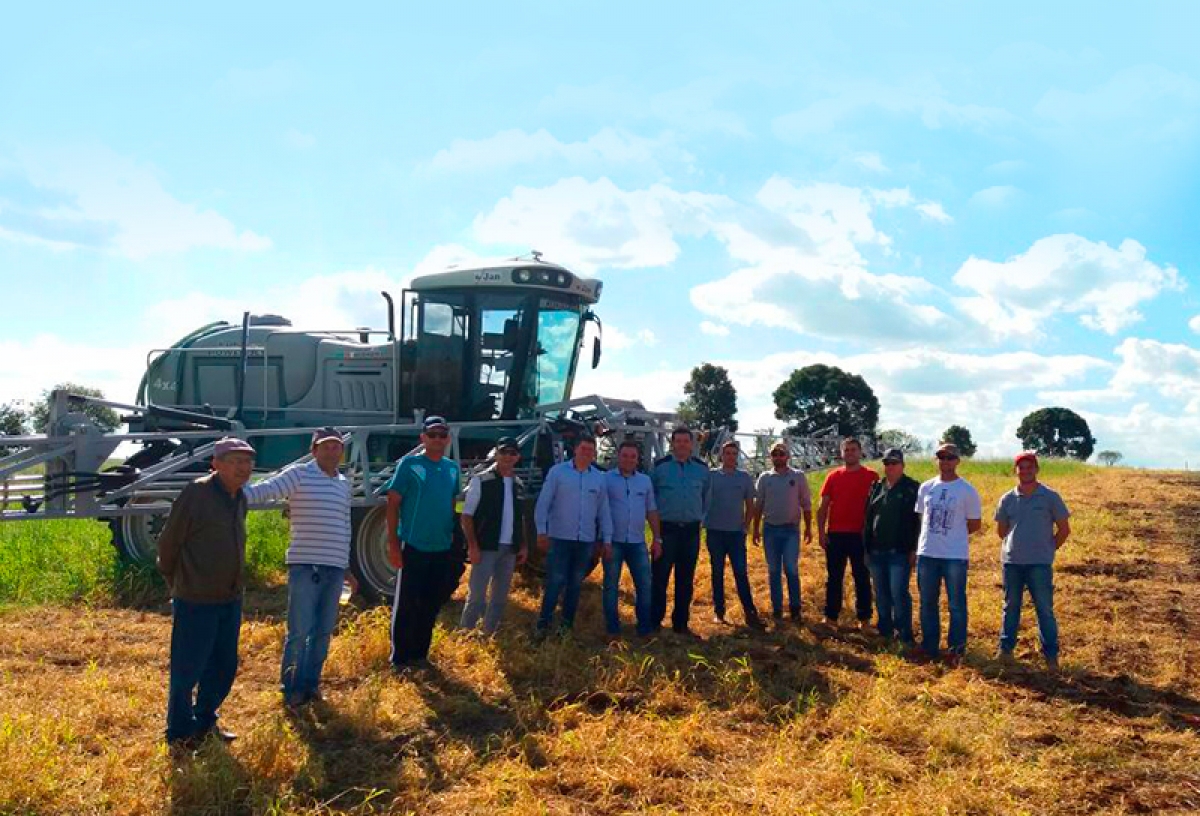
{"type": "Point", "coordinates": [136, 537]}
{"type": "Point", "coordinates": [368, 554]}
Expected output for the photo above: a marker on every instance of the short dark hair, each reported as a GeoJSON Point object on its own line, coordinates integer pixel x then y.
{"type": "Point", "coordinates": [851, 440]}
{"type": "Point", "coordinates": [585, 437]}
{"type": "Point", "coordinates": [630, 443]}
{"type": "Point", "coordinates": [684, 430]}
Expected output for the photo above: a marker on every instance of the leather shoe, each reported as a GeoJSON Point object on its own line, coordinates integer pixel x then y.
{"type": "Point", "coordinates": [220, 733]}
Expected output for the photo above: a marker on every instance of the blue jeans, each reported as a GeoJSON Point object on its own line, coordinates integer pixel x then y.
{"type": "Point", "coordinates": [566, 566]}
{"type": "Point", "coordinates": [891, 573]}
{"type": "Point", "coordinates": [635, 555]}
{"type": "Point", "coordinates": [931, 572]}
{"type": "Point", "coordinates": [781, 546]}
{"type": "Point", "coordinates": [724, 544]}
{"type": "Point", "coordinates": [1039, 580]}
{"type": "Point", "coordinates": [314, 593]}
{"type": "Point", "coordinates": [204, 644]}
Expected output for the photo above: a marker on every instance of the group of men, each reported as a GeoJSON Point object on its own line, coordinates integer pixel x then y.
{"type": "Point", "coordinates": [880, 527]}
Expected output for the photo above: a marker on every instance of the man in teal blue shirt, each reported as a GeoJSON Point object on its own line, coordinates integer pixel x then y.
{"type": "Point", "coordinates": [420, 524]}
{"type": "Point", "coordinates": [681, 490]}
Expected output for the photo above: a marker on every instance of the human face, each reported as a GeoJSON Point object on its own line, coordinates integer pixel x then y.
{"type": "Point", "coordinates": [729, 457]}
{"type": "Point", "coordinates": [506, 460]}
{"type": "Point", "coordinates": [1027, 471]}
{"type": "Point", "coordinates": [627, 460]}
{"type": "Point", "coordinates": [328, 455]}
{"type": "Point", "coordinates": [893, 470]}
{"type": "Point", "coordinates": [947, 464]}
{"type": "Point", "coordinates": [436, 440]}
{"type": "Point", "coordinates": [234, 469]}
{"type": "Point", "coordinates": [681, 446]}
{"type": "Point", "coordinates": [585, 454]}
{"type": "Point", "coordinates": [851, 453]}
{"type": "Point", "coordinates": [779, 458]}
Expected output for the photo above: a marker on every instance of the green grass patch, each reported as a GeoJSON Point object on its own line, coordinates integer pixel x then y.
{"type": "Point", "coordinates": [68, 560]}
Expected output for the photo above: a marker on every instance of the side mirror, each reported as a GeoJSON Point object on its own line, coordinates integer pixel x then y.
{"type": "Point", "coordinates": [512, 329]}
{"type": "Point", "coordinates": [595, 352]}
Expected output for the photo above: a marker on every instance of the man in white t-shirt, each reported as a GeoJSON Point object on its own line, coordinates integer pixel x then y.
{"type": "Point", "coordinates": [950, 512]}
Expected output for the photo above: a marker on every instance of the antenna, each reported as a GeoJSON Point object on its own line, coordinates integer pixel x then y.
{"type": "Point", "coordinates": [537, 256]}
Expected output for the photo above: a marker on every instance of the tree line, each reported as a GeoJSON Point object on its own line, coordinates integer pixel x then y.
{"type": "Point", "coordinates": [819, 397]}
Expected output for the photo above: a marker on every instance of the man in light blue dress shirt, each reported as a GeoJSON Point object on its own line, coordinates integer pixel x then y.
{"type": "Point", "coordinates": [681, 490]}
{"type": "Point", "coordinates": [631, 504]}
{"type": "Point", "coordinates": [573, 523]}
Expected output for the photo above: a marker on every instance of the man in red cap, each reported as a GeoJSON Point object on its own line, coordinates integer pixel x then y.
{"type": "Point", "coordinates": [1033, 522]}
{"type": "Point", "coordinates": [202, 556]}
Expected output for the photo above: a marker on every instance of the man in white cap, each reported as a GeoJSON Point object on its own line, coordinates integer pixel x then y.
{"type": "Point", "coordinates": [318, 556]}
{"type": "Point", "coordinates": [202, 556]}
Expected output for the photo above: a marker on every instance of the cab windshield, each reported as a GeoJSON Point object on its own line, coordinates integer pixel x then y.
{"type": "Point", "coordinates": [557, 346]}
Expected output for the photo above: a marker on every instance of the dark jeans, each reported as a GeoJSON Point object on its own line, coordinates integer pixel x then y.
{"type": "Point", "coordinates": [722, 544]}
{"type": "Point", "coordinates": [931, 573]}
{"type": "Point", "coordinates": [843, 548]}
{"type": "Point", "coordinates": [781, 548]}
{"type": "Point", "coordinates": [681, 550]}
{"type": "Point", "coordinates": [427, 580]}
{"type": "Point", "coordinates": [1039, 580]}
{"type": "Point", "coordinates": [204, 653]}
{"type": "Point", "coordinates": [314, 593]}
{"type": "Point", "coordinates": [567, 564]}
{"type": "Point", "coordinates": [891, 574]}
{"type": "Point", "coordinates": [635, 555]}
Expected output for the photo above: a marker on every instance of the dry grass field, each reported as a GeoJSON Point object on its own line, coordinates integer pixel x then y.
{"type": "Point", "coordinates": [796, 721]}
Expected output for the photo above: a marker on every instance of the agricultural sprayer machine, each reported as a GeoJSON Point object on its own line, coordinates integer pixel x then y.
{"type": "Point", "coordinates": [494, 348]}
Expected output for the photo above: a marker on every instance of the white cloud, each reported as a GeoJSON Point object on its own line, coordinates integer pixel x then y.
{"type": "Point", "coordinates": [1171, 369]}
{"type": "Point", "coordinates": [714, 329]}
{"type": "Point", "coordinates": [1194, 324]}
{"type": "Point", "coordinates": [616, 339]}
{"type": "Point", "coordinates": [112, 203]}
{"type": "Point", "coordinates": [28, 367]}
{"type": "Point", "coordinates": [934, 212]}
{"type": "Point", "coordinates": [691, 108]}
{"type": "Point", "coordinates": [1148, 437]}
{"type": "Point", "coordinates": [1148, 102]}
{"type": "Point", "coordinates": [923, 99]}
{"type": "Point", "coordinates": [508, 148]}
{"type": "Point", "coordinates": [1000, 195]}
{"type": "Point", "coordinates": [1064, 274]}
{"type": "Point", "coordinates": [590, 224]}
{"type": "Point", "coordinates": [872, 162]}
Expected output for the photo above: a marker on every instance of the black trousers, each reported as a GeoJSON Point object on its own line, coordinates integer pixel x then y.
{"type": "Point", "coordinates": [843, 548]}
{"type": "Point", "coordinates": [681, 550]}
{"type": "Point", "coordinates": [427, 580]}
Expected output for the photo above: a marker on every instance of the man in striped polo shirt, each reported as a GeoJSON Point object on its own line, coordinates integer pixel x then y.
{"type": "Point", "coordinates": [318, 554]}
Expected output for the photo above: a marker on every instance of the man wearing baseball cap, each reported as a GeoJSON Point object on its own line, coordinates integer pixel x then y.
{"type": "Point", "coordinates": [318, 557]}
{"type": "Point", "coordinates": [950, 514]}
{"type": "Point", "coordinates": [202, 555]}
{"type": "Point", "coordinates": [890, 535]}
{"type": "Point", "coordinates": [493, 521]}
{"type": "Point", "coordinates": [1033, 522]}
{"type": "Point", "coordinates": [420, 529]}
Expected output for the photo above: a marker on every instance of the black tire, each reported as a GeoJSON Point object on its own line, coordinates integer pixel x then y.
{"type": "Point", "coordinates": [136, 537]}
{"type": "Point", "coordinates": [368, 554]}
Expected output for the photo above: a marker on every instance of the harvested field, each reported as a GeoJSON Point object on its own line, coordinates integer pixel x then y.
{"type": "Point", "coordinates": [800, 720]}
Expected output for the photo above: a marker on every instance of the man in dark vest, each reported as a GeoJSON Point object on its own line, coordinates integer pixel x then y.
{"type": "Point", "coordinates": [493, 521]}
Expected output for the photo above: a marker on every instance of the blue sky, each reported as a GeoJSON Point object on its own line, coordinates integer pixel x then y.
{"type": "Point", "coordinates": [982, 213]}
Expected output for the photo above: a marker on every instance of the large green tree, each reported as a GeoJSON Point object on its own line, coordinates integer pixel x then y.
{"type": "Point", "coordinates": [1057, 432]}
{"type": "Point", "coordinates": [711, 399]}
{"type": "Point", "coordinates": [960, 436]}
{"type": "Point", "coordinates": [817, 396]}
{"type": "Point", "coordinates": [106, 418]}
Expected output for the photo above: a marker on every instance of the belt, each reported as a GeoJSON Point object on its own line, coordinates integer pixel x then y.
{"type": "Point", "coordinates": [681, 523]}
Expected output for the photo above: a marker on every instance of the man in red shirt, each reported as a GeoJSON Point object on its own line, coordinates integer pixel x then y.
{"type": "Point", "coordinates": [840, 522]}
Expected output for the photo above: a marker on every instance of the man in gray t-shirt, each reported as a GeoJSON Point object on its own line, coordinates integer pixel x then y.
{"type": "Point", "coordinates": [730, 504]}
{"type": "Point", "coordinates": [783, 499]}
{"type": "Point", "coordinates": [1032, 521]}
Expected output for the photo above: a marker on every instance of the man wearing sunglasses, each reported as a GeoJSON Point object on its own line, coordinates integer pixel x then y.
{"type": "Point", "coordinates": [493, 521]}
{"type": "Point", "coordinates": [950, 514]}
{"type": "Point", "coordinates": [420, 521]}
{"type": "Point", "coordinates": [890, 535]}
{"type": "Point", "coordinates": [783, 498]}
